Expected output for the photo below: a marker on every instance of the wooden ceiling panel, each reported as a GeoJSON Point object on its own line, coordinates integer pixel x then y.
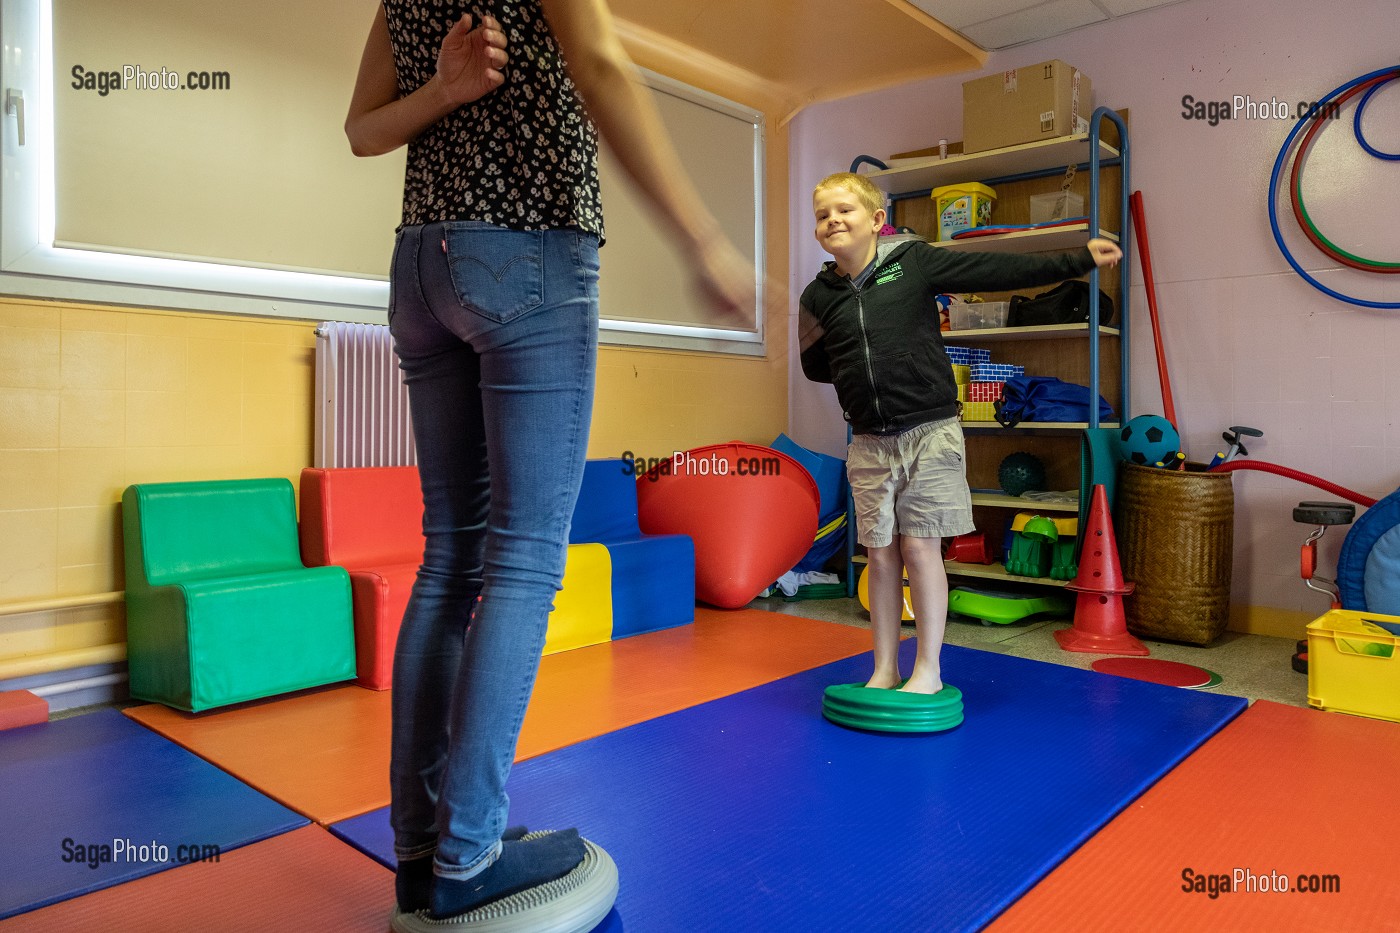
{"type": "Point", "coordinates": [809, 50]}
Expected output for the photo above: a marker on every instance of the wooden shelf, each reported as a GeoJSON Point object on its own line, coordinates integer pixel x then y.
{"type": "Point", "coordinates": [1036, 426]}
{"type": "Point", "coordinates": [1026, 241]}
{"type": "Point", "coordinates": [1003, 501]}
{"type": "Point", "coordinates": [917, 174]}
{"type": "Point", "coordinates": [996, 572]}
{"type": "Point", "coordinates": [1038, 332]}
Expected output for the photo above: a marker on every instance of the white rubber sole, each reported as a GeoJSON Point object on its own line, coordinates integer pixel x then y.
{"type": "Point", "coordinates": [575, 903]}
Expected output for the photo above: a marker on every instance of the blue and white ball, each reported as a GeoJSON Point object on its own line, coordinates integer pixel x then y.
{"type": "Point", "coordinates": [1148, 439]}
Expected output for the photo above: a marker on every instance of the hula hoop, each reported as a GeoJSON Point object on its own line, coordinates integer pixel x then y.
{"type": "Point", "coordinates": [1273, 198]}
{"type": "Point", "coordinates": [1300, 210]}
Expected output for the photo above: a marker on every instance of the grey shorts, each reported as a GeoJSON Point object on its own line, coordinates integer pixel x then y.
{"type": "Point", "coordinates": [914, 484]}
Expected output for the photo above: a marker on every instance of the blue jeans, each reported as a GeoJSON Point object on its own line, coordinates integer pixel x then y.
{"type": "Point", "coordinates": [497, 336]}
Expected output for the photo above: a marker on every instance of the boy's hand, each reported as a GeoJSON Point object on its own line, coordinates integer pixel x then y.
{"type": "Point", "coordinates": [1105, 252]}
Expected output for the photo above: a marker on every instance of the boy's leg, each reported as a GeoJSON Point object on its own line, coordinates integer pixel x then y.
{"type": "Point", "coordinates": [886, 590]}
{"type": "Point", "coordinates": [936, 504]}
{"type": "Point", "coordinates": [928, 590]}
{"type": "Point", "coordinates": [874, 484]}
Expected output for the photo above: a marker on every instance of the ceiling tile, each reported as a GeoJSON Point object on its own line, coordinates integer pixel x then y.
{"type": "Point", "coordinates": [960, 13]}
{"type": "Point", "coordinates": [1123, 7]}
{"type": "Point", "coordinates": [1049, 19]}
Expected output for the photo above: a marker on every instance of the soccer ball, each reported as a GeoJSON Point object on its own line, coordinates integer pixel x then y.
{"type": "Point", "coordinates": [1148, 439]}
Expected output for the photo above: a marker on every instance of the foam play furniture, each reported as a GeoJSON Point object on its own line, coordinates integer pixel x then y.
{"type": "Point", "coordinates": [829, 473]}
{"type": "Point", "coordinates": [751, 510]}
{"type": "Point", "coordinates": [219, 607]}
{"type": "Point", "coordinates": [653, 575]}
{"type": "Point", "coordinates": [369, 520]}
{"type": "Point", "coordinates": [22, 708]}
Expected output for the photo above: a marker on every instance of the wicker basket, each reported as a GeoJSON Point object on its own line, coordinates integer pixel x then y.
{"type": "Point", "coordinates": [1175, 534]}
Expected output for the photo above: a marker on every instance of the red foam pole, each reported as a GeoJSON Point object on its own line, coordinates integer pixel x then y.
{"type": "Point", "coordinates": [1145, 257]}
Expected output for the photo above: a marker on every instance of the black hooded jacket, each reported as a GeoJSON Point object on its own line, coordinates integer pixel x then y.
{"type": "Point", "coordinates": [880, 345]}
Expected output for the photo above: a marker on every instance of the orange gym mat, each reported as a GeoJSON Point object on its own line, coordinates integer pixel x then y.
{"type": "Point", "coordinates": [1281, 792]}
{"type": "Point", "coordinates": [304, 880]}
{"type": "Point", "coordinates": [325, 753]}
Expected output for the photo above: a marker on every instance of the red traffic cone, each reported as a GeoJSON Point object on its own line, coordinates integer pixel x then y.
{"type": "Point", "coordinates": [1099, 624]}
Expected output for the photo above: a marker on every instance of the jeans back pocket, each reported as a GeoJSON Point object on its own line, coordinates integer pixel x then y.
{"type": "Point", "coordinates": [497, 272]}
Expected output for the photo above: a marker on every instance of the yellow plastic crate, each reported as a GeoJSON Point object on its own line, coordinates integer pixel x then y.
{"type": "Point", "coordinates": [1354, 664]}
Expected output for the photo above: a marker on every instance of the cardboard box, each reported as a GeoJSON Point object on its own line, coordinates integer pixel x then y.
{"type": "Point", "coordinates": [1025, 105]}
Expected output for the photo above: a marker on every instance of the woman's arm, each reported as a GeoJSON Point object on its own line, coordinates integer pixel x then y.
{"type": "Point", "coordinates": [621, 107]}
{"type": "Point", "coordinates": [468, 67]}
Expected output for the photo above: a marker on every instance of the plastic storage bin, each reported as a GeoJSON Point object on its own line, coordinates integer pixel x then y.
{"type": "Point", "coordinates": [962, 207]}
{"type": "Point", "coordinates": [1057, 205]}
{"type": "Point", "coordinates": [1354, 663]}
{"type": "Point", "coordinates": [977, 315]}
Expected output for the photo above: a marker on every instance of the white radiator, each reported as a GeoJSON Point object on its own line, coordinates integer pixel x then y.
{"type": "Point", "coordinates": [361, 403]}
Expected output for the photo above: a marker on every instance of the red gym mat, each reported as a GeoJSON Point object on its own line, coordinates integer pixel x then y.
{"type": "Point", "coordinates": [302, 880]}
{"type": "Point", "coordinates": [1280, 792]}
{"type": "Point", "coordinates": [325, 753]}
{"type": "Point", "coordinates": [1152, 670]}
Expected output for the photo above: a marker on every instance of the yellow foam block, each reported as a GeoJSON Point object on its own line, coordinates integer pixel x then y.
{"type": "Point", "coordinates": [583, 608]}
{"type": "Point", "coordinates": [979, 411]}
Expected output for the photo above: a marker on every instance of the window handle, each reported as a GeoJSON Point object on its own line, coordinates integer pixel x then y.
{"type": "Point", "coordinates": [14, 104]}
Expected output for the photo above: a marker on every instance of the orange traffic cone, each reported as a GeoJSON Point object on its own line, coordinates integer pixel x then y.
{"type": "Point", "coordinates": [1099, 624]}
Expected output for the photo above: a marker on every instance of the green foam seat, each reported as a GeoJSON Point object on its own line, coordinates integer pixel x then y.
{"type": "Point", "coordinates": [220, 608]}
{"type": "Point", "coordinates": [857, 706]}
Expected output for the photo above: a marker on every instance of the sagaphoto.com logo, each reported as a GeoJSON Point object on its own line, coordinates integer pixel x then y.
{"type": "Point", "coordinates": [1245, 107]}
{"type": "Point", "coordinates": [134, 77]}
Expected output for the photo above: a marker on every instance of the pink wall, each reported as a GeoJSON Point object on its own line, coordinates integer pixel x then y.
{"type": "Point", "coordinates": [1248, 341]}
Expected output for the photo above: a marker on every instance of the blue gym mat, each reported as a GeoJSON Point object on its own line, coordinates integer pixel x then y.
{"type": "Point", "coordinates": [68, 788]}
{"type": "Point", "coordinates": [752, 812]}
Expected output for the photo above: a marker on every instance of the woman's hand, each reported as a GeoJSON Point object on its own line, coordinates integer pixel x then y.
{"type": "Point", "coordinates": [469, 62]}
{"type": "Point", "coordinates": [1105, 252]}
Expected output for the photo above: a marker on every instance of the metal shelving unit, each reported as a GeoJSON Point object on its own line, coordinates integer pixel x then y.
{"type": "Point", "coordinates": [915, 178]}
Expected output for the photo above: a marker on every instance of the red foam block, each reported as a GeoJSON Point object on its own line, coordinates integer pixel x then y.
{"type": "Point", "coordinates": [22, 708]}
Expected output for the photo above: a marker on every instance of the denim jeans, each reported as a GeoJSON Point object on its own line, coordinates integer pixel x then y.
{"type": "Point", "coordinates": [496, 332]}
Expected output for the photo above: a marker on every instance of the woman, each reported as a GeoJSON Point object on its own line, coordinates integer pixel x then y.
{"type": "Point", "coordinates": [494, 314]}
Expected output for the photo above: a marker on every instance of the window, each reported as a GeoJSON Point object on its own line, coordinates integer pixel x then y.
{"type": "Point", "coordinates": [190, 156]}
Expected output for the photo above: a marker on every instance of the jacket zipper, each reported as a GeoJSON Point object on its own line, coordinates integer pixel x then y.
{"type": "Point", "coordinates": [865, 349]}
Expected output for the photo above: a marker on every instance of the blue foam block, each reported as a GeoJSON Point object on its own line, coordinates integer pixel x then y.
{"type": "Point", "coordinates": [94, 779]}
{"type": "Point", "coordinates": [653, 576]}
{"type": "Point", "coordinates": [752, 812]}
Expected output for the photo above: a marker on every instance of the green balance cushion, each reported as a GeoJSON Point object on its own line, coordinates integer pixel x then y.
{"type": "Point", "coordinates": [860, 707]}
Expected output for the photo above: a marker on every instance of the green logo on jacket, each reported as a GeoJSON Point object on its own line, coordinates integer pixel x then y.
{"type": "Point", "coordinates": [890, 274]}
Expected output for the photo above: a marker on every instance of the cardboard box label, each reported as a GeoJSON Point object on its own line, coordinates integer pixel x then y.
{"type": "Point", "coordinates": [1008, 81]}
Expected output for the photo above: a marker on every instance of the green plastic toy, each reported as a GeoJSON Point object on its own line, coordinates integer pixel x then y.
{"type": "Point", "coordinates": [1003, 608]}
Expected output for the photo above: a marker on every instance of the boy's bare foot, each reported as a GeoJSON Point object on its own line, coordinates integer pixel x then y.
{"type": "Point", "coordinates": [922, 683]}
{"type": "Point", "coordinates": [880, 681]}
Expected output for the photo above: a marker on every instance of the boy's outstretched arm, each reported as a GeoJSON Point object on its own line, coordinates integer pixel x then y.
{"type": "Point", "coordinates": [950, 271]}
{"type": "Point", "coordinates": [1105, 252]}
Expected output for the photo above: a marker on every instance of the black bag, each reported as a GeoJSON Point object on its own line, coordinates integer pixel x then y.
{"type": "Point", "coordinates": [1066, 303]}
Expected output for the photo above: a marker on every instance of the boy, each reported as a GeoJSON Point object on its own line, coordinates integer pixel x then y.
{"type": "Point", "coordinates": [870, 325]}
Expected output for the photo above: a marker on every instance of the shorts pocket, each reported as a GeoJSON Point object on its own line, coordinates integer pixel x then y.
{"type": "Point", "coordinates": [497, 273]}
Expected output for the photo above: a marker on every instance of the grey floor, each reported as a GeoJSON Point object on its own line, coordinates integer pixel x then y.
{"type": "Point", "coordinates": [1251, 666]}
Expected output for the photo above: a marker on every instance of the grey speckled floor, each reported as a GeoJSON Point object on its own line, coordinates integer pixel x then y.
{"type": "Point", "coordinates": [1251, 666]}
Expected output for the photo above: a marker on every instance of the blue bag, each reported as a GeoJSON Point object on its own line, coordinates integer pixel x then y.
{"type": "Point", "coordinates": [1046, 398]}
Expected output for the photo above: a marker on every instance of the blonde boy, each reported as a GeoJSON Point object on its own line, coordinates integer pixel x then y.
{"type": "Point", "coordinates": [869, 325]}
